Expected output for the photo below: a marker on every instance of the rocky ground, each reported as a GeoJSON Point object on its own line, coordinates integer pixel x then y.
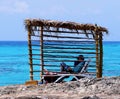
{"type": "Point", "coordinates": [85, 88]}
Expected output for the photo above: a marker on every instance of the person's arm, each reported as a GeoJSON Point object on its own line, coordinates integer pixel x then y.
{"type": "Point", "coordinates": [76, 63]}
{"type": "Point", "coordinates": [78, 67]}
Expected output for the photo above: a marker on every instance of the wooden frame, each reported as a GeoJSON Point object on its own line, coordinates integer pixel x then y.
{"type": "Point", "coordinates": [54, 40]}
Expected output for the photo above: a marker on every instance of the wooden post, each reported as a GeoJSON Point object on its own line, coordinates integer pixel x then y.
{"type": "Point", "coordinates": [30, 53]}
{"type": "Point", "coordinates": [101, 54]}
{"type": "Point", "coordinates": [41, 42]}
{"type": "Point", "coordinates": [97, 57]}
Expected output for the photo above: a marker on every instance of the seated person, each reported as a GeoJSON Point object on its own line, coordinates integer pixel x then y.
{"type": "Point", "coordinates": [78, 65]}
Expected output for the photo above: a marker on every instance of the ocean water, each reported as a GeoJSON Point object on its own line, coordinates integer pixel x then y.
{"type": "Point", "coordinates": [14, 68]}
{"type": "Point", "coordinates": [111, 58]}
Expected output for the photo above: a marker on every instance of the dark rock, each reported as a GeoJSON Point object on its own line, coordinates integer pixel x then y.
{"type": "Point", "coordinates": [88, 97]}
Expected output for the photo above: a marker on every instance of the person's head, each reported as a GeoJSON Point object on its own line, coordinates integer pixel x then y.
{"type": "Point", "coordinates": [80, 57]}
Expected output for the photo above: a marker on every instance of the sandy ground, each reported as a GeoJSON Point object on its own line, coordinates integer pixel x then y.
{"type": "Point", "coordinates": [85, 88]}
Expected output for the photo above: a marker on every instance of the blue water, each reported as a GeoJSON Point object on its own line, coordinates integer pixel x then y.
{"type": "Point", "coordinates": [111, 59]}
{"type": "Point", "coordinates": [13, 62]}
{"type": "Point", "coordinates": [14, 68]}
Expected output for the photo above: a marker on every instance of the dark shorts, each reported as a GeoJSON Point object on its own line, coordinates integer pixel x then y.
{"type": "Point", "coordinates": [64, 66]}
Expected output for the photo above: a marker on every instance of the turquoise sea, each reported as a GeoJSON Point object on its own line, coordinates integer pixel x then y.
{"type": "Point", "coordinates": [14, 68]}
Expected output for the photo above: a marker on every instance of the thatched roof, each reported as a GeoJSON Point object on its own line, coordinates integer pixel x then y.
{"type": "Point", "coordinates": [65, 25]}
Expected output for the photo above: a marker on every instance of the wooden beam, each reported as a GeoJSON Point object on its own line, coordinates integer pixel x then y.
{"type": "Point", "coordinates": [30, 53]}
{"type": "Point", "coordinates": [101, 54]}
{"type": "Point", "coordinates": [41, 50]}
{"type": "Point", "coordinates": [63, 32]}
{"type": "Point", "coordinates": [97, 57]}
{"type": "Point", "coordinates": [70, 37]}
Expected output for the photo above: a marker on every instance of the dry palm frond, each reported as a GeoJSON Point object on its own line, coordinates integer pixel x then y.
{"type": "Point", "coordinates": [72, 26]}
{"type": "Point", "coordinates": [60, 24]}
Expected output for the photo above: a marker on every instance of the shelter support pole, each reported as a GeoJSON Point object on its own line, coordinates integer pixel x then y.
{"type": "Point", "coordinates": [42, 60]}
{"type": "Point", "coordinates": [101, 54]}
{"type": "Point", "coordinates": [98, 71]}
{"type": "Point", "coordinates": [30, 53]}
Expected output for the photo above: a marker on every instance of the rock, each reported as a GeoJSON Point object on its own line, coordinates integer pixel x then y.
{"type": "Point", "coordinates": [85, 88]}
{"type": "Point", "coordinates": [88, 97]}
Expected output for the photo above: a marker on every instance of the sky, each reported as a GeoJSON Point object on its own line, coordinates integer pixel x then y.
{"type": "Point", "coordinates": [105, 13]}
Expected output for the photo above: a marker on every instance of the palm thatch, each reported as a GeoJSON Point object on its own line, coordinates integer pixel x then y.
{"type": "Point", "coordinates": [64, 25]}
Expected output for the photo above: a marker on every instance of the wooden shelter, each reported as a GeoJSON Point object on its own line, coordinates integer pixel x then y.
{"type": "Point", "coordinates": [52, 42]}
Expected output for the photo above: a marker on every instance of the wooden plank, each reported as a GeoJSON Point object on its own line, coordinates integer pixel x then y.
{"type": "Point", "coordinates": [33, 82]}
{"type": "Point", "coordinates": [60, 47]}
{"type": "Point", "coordinates": [61, 60]}
{"type": "Point", "coordinates": [36, 35]}
{"type": "Point", "coordinates": [36, 45]}
{"type": "Point", "coordinates": [63, 56]}
{"type": "Point", "coordinates": [37, 71]}
{"type": "Point", "coordinates": [59, 56]}
{"type": "Point", "coordinates": [66, 40]}
{"type": "Point", "coordinates": [52, 65]}
{"type": "Point", "coordinates": [35, 54]}
{"type": "Point", "coordinates": [70, 37]}
{"type": "Point", "coordinates": [69, 32]}
{"type": "Point", "coordinates": [69, 44]}
{"type": "Point", "coordinates": [69, 52]}
{"type": "Point", "coordinates": [34, 49]}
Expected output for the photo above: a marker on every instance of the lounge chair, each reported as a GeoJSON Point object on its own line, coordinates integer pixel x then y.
{"type": "Point", "coordinates": [57, 77]}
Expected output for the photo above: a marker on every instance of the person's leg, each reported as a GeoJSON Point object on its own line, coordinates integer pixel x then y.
{"type": "Point", "coordinates": [69, 69]}
{"type": "Point", "coordinates": [46, 71]}
{"type": "Point", "coordinates": [65, 67]}
{"type": "Point", "coordinates": [62, 66]}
